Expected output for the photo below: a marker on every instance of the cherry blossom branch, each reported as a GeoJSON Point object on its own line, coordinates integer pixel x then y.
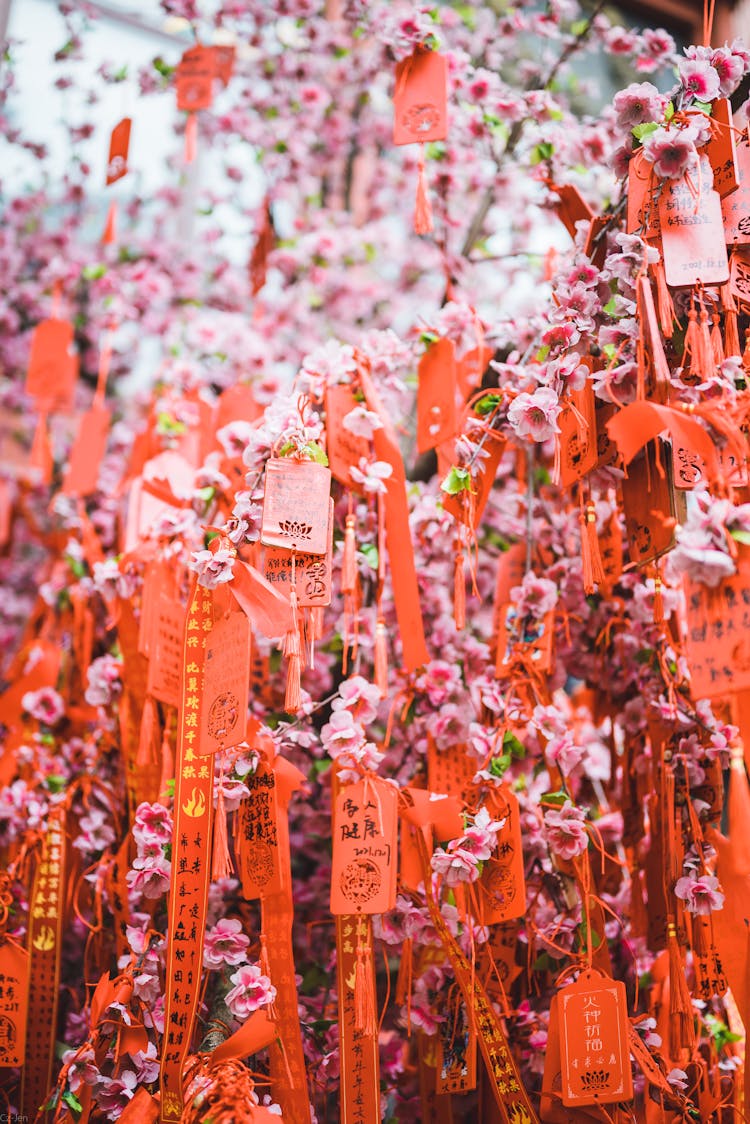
{"type": "Point", "coordinates": [477, 223]}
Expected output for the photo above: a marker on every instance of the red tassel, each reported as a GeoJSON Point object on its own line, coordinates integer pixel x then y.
{"type": "Point", "coordinates": [459, 590]}
{"type": "Point", "coordinates": [681, 1020]}
{"type": "Point", "coordinates": [149, 729]}
{"type": "Point", "coordinates": [364, 1001]}
{"type": "Point", "coordinates": [423, 209]}
{"type": "Point", "coordinates": [221, 862]}
{"type": "Point", "coordinates": [658, 601]}
{"type": "Point", "coordinates": [717, 344]}
{"type": "Point", "coordinates": [349, 560]}
{"type": "Point", "coordinates": [706, 347]}
{"type": "Point", "coordinates": [41, 450]}
{"type": "Point", "coordinates": [381, 658]}
{"type": "Point", "coordinates": [664, 305]}
{"type": "Point", "coordinates": [690, 353]}
{"type": "Point", "coordinates": [731, 331]}
{"type": "Point", "coordinates": [292, 651]}
{"type": "Point", "coordinates": [591, 559]}
{"type": "Point", "coordinates": [109, 235]}
{"type": "Point", "coordinates": [191, 138]}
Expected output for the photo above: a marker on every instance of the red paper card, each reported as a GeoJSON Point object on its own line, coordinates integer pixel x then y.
{"type": "Point", "coordinates": [53, 365]}
{"type": "Point", "coordinates": [226, 684]}
{"type": "Point", "coordinates": [436, 395]}
{"type": "Point", "coordinates": [14, 976]}
{"type": "Point", "coordinates": [718, 627]}
{"type": "Point", "coordinates": [261, 836]}
{"type": "Point", "coordinates": [87, 452]}
{"type": "Point", "coordinates": [420, 99]}
{"type": "Point", "coordinates": [722, 149]}
{"type": "Point", "coordinates": [692, 232]}
{"type": "Point", "coordinates": [224, 56]}
{"type": "Point", "coordinates": [119, 144]}
{"type": "Point", "coordinates": [450, 770]}
{"type": "Point", "coordinates": [344, 448]}
{"type": "Point", "coordinates": [296, 505]}
{"type": "Point", "coordinates": [312, 572]}
{"type": "Point", "coordinates": [572, 208]}
{"type": "Point", "coordinates": [643, 213]}
{"type": "Point", "coordinates": [594, 1050]}
{"type": "Point", "coordinates": [365, 834]}
{"type": "Point", "coordinates": [165, 665]}
{"type": "Point", "coordinates": [195, 76]}
{"type": "Point", "coordinates": [735, 208]}
{"type": "Point", "coordinates": [577, 421]}
{"type": "Point", "coordinates": [651, 507]}
{"type": "Point", "coordinates": [739, 276]}
{"type": "Point", "coordinates": [502, 885]}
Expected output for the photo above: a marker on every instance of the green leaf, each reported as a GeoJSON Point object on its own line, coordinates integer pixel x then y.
{"type": "Point", "coordinates": [93, 272]}
{"type": "Point", "coordinates": [513, 745]}
{"type": "Point", "coordinates": [578, 27]}
{"type": "Point", "coordinates": [487, 404]}
{"type": "Point", "coordinates": [370, 552]}
{"type": "Point", "coordinates": [71, 1100]}
{"type": "Point", "coordinates": [428, 337]}
{"type": "Point", "coordinates": [703, 106]}
{"type": "Point", "coordinates": [742, 537]}
{"type": "Point", "coordinates": [457, 480]}
{"type": "Point", "coordinates": [54, 783]}
{"type": "Point", "coordinates": [542, 151]}
{"type": "Point", "coordinates": [669, 112]}
{"type": "Point", "coordinates": [542, 353]}
{"type": "Point", "coordinates": [556, 799]}
{"type": "Point", "coordinates": [315, 452]}
{"type": "Point", "coordinates": [170, 788]}
{"type": "Point", "coordinates": [163, 68]}
{"type": "Point", "coordinates": [499, 765]}
{"type": "Point", "coordinates": [644, 130]}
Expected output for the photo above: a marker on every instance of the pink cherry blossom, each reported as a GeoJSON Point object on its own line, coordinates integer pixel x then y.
{"type": "Point", "coordinates": [637, 103]}
{"type": "Point", "coordinates": [372, 475]}
{"type": "Point", "coordinates": [700, 893]}
{"type": "Point", "coordinates": [534, 416]}
{"type": "Point", "coordinates": [672, 152]}
{"type": "Point", "coordinates": [213, 567]}
{"type": "Point", "coordinates": [565, 830]}
{"type": "Point", "coordinates": [456, 866]}
{"type": "Point", "coordinates": [45, 705]}
{"type": "Point", "coordinates": [699, 79]}
{"type": "Point", "coordinates": [252, 990]}
{"type": "Point", "coordinates": [225, 943]}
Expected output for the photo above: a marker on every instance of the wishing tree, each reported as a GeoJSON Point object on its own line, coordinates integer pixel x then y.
{"type": "Point", "coordinates": [375, 661]}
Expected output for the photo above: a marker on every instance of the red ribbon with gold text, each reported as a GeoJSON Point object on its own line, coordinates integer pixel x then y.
{"type": "Point", "coordinates": [191, 862]}
{"type": "Point", "coordinates": [46, 915]}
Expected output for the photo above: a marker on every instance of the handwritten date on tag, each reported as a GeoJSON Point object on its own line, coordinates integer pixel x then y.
{"type": "Point", "coordinates": [594, 1047]}
{"type": "Point", "coordinates": [692, 232]}
{"type": "Point", "coordinates": [365, 832]}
